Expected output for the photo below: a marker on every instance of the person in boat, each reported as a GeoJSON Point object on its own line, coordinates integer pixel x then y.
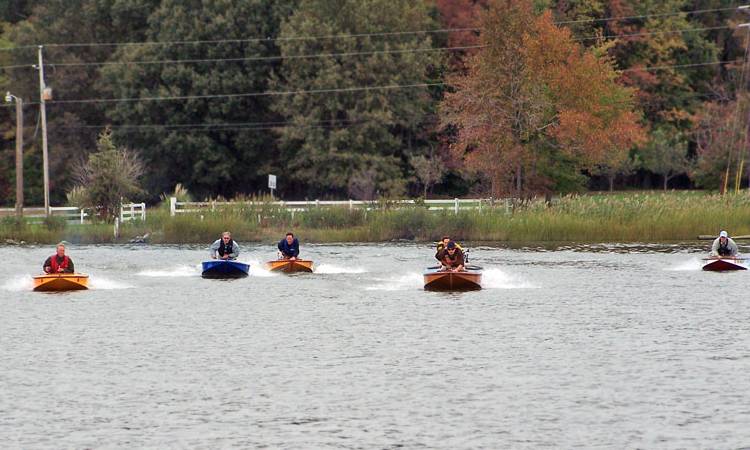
{"type": "Point", "coordinates": [724, 246]}
{"type": "Point", "coordinates": [441, 245]}
{"type": "Point", "coordinates": [59, 262]}
{"type": "Point", "coordinates": [289, 247]}
{"type": "Point", "coordinates": [225, 248]}
{"type": "Point", "coordinates": [452, 257]}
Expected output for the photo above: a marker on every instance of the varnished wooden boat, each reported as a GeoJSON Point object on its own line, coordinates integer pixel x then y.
{"type": "Point", "coordinates": [724, 264]}
{"type": "Point", "coordinates": [289, 266]}
{"type": "Point", "coordinates": [59, 282]}
{"type": "Point", "coordinates": [469, 280]}
{"type": "Point", "coordinates": [222, 269]}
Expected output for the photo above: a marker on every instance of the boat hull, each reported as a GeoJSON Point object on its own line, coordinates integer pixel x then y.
{"type": "Point", "coordinates": [453, 281]}
{"type": "Point", "coordinates": [287, 266]}
{"type": "Point", "coordinates": [223, 269]}
{"type": "Point", "coordinates": [61, 282]}
{"type": "Point", "coordinates": [724, 264]}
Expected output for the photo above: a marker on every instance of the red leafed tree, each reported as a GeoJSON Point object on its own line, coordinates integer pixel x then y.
{"type": "Point", "coordinates": [463, 16]}
{"type": "Point", "coordinates": [534, 97]}
{"type": "Point", "coordinates": [721, 134]}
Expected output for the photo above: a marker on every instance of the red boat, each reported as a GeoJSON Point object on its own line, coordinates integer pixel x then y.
{"type": "Point", "coordinates": [724, 264]}
{"type": "Point", "coordinates": [468, 280]}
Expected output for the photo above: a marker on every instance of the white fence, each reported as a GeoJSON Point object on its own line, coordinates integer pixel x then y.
{"type": "Point", "coordinates": [455, 204]}
{"type": "Point", "coordinates": [132, 211]}
{"type": "Point", "coordinates": [69, 213]}
{"type": "Point", "coordinates": [129, 211]}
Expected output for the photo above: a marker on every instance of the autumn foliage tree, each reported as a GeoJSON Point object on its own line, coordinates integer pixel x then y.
{"type": "Point", "coordinates": [721, 135]}
{"type": "Point", "coordinates": [534, 101]}
{"type": "Point", "coordinates": [463, 17]}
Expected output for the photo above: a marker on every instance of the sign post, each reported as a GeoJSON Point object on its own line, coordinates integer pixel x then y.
{"type": "Point", "coordinates": [271, 183]}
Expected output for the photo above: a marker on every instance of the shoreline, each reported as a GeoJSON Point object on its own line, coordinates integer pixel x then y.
{"type": "Point", "coordinates": [628, 218]}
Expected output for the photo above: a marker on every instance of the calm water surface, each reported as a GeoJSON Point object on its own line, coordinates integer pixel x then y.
{"type": "Point", "coordinates": [593, 347]}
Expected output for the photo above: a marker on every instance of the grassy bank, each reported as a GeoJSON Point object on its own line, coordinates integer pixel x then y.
{"type": "Point", "coordinates": [628, 217]}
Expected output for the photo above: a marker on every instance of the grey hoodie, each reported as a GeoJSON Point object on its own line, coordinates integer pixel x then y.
{"type": "Point", "coordinates": [232, 254]}
{"type": "Point", "coordinates": [730, 245]}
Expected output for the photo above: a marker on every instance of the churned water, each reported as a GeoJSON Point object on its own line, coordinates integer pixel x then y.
{"type": "Point", "coordinates": [601, 346]}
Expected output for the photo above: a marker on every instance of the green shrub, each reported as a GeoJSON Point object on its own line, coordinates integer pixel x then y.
{"type": "Point", "coordinates": [55, 223]}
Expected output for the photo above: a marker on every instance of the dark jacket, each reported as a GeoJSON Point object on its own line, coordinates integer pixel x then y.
{"type": "Point", "coordinates": [289, 250]}
{"type": "Point", "coordinates": [48, 264]}
{"type": "Point", "coordinates": [441, 247]}
{"type": "Point", "coordinates": [445, 258]}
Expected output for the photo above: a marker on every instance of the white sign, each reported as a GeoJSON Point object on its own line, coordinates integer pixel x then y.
{"type": "Point", "coordinates": [271, 181]}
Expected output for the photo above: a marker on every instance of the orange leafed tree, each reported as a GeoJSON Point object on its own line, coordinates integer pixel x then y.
{"type": "Point", "coordinates": [533, 98]}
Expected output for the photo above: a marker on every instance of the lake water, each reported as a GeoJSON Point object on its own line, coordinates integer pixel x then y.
{"type": "Point", "coordinates": [579, 346]}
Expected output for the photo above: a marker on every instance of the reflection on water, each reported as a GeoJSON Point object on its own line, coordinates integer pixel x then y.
{"type": "Point", "coordinates": [609, 346]}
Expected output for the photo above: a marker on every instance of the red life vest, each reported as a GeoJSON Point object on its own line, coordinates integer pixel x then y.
{"type": "Point", "coordinates": [55, 267]}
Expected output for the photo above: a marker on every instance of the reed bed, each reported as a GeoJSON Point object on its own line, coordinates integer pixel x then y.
{"type": "Point", "coordinates": [626, 217]}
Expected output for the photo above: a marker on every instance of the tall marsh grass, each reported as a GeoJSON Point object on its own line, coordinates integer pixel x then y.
{"type": "Point", "coordinates": [627, 217]}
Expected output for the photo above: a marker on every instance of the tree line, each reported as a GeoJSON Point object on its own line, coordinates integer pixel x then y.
{"type": "Point", "coordinates": [380, 98]}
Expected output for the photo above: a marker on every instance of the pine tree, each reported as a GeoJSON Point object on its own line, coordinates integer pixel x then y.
{"type": "Point", "coordinates": [223, 153]}
{"type": "Point", "coordinates": [342, 139]}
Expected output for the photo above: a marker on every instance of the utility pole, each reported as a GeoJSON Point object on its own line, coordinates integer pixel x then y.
{"type": "Point", "coordinates": [43, 93]}
{"type": "Point", "coordinates": [19, 157]}
{"type": "Point", "coordinates": [19, 151]}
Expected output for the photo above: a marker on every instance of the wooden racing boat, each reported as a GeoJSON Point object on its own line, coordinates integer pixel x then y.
{"type": "Point", "coordinates": [289, 266]}
{"type": "Point", "coordinates": [59, 282]}
{"type": "Point", "coordinates": [468, 280]}
{"type": "Point", "coordinates": [223, 268]}
{"type": "Point", "coordinates": [724, 264]}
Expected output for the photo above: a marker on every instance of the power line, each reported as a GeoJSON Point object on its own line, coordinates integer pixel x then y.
{"type": "Point", "coordinates": [269, 125]}
{"type": "Point", "coordinates": [335, 90]}
{"type": "Point", "coordinates": [343, 54]}
{"type": "Point", "coordinates": [374, 52]}
{"type": "Point", "coordinates": [651, 33]}
{"type": "Point", "coordinates": [679, 66]}
{"type": "Point", "coordinates": [248, 94]}
{"type": "Point", "coordinates": [238, 125]}
{"type": "Point", "coordinates": [246, 40]}
{"type": "Point", "coordinates": [350, 36]}
{"type": "Point", "coordinates": [332, 55]}
{"type": "Point", "coordinates": [648, 16]}
{"type": "Point", "coordinates": [267, 58]}
{"type": "Point", "coordinates": [329, 91]}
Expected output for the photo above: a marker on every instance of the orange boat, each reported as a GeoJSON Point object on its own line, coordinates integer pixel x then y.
{"type": "Point", "coordinates": [289, 266]}
{"type": "Point", "coordinates": [61, 282]}
{"type": "Point", "coordinates": [468, 280]}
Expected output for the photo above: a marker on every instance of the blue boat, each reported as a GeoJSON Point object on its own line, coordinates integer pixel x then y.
{"type": "Point", "coordinates": [220, 268]}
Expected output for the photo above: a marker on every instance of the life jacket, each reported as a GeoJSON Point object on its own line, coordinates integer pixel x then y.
{"type": "Point", "coordinates": [441, 246]}
{"type": "Point", "coordinates": [55, 266]}
{"type": "Point", "coordinates": [724, 249]}
{"type": "Point", "coordinates": [225, 249]}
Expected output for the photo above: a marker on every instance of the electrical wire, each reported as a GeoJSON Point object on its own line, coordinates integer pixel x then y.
{"type": "Point", "coordinates": [351, 36]}
{"type": "Point", "coordinates": [327, 91]}
{"type": "Point", "coordinates": [333, 55]}
{"type": "Point", "coordinates": [266, 58]}
{"type": "Point", "coordinates": [248, 94]}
